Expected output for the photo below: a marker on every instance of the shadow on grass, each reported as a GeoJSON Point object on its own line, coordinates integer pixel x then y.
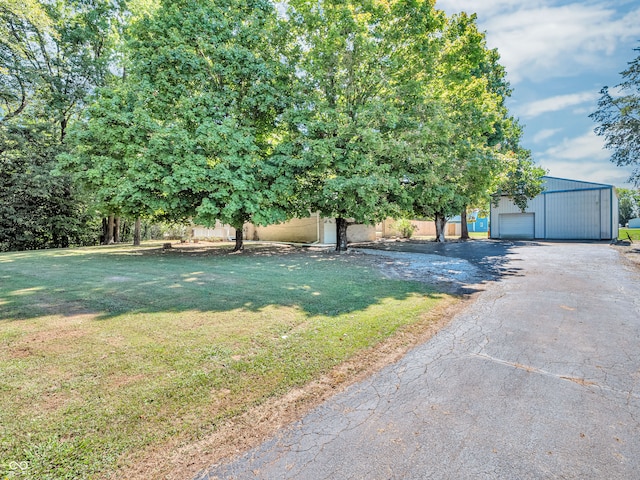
{"type": "Point", "coordinates": [109, 282]}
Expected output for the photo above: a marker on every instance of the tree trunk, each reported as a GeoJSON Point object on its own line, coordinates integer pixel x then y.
{"type": "Point", "coordinates": [108, 238]}
{"type": "Point", "coordinates": [341, 234]}
{"type": "Point", "coordinates": [63, 128]}
{"type": "Point", "coordinates": [116, 230]}
{"type": "Point", "coordinates": [136, 233]}
{"type": "Point", "coordinates": [239, 239]}
{"type": "Point", "coordinates": [464, 228]}
{"type": "Point", "coordinates": [441, 222]}
{"type": "Point", "coordinates": [103, 235]}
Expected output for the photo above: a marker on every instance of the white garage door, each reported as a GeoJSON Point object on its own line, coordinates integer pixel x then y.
{"type": "Point", "coordinates": [517, 225]}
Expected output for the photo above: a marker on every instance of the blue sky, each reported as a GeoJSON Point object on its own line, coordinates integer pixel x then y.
{"type": "Point", "coordinates": [558, 55]}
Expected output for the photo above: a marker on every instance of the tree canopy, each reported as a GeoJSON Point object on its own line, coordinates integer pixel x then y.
{"type": "Point", "coordinates": [52, 55]}
{"type": "Point", "coordinates": [464, 140]}
{"type": "Point", "coordinates": [618, 116]}
{"type": "Point", "coordinates": [192, 129]}
{"type": "Point", "coordinates": [347, 124]}
{"type": "Point", "coordinates": [628, 204]}
{"type": "Point", "coordinates": [239, 111]}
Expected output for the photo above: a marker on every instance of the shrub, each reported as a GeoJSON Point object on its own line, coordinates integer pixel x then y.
{"type": "Point", "coordinates": [405, 228]}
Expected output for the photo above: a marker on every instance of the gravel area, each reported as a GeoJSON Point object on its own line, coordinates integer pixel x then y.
{"type": "Point", "coordinates": [424, 267]}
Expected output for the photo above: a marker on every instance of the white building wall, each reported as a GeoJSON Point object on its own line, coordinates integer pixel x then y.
{"type": "Point", "coordinates": [506, 205]}
{"type": "Point", "coordinates": [605, 214]}
{"type": "Point", "coordinates": [573, 215]}
{"type": "Point", "coordinates": [567, 209]}
{"type": "Point", "coordinates": [615, 214]}
{"type": "Point", "coordinates": [219, 232]}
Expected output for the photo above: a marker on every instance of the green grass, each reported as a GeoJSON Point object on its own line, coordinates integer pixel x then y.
{"type": "Point", "coordinates": [105, 352]}
{"type": "Point", "coordinates": [626, 233]}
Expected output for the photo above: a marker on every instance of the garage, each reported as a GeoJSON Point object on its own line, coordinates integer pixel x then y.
{"type": "Point", "coordinates": [560, 209]}
{"type": "Point", "coordinates": [565, 210]}
{"type": "Point", "coordinates": [517, 225]}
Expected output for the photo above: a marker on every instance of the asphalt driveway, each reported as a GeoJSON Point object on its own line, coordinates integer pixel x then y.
{"type": "Point", "coordinates": [538, 378]}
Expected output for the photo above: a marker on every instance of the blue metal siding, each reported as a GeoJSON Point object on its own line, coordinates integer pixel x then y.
{"type": "Point", "coordinates": [480, 225]}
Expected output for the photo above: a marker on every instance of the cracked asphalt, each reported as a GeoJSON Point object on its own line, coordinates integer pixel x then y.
{"type": "Point", "coordinates": [538, 378]}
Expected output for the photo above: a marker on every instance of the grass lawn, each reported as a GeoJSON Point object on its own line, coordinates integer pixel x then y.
{"type": "Point", "coordinates": [110, 353]}
{"type": "Point", "coordinates": [633, 233]}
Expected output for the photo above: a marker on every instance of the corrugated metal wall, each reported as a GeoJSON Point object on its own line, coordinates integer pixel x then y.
{"type": "Point", "coordinates": [573, 215]}
{"type": "Point", "coordinates": [506, 206]}
{"type": "Point", "coordinates": [568, 209]}
{"type": "Point", "coordinates": [606, 210]}
{"type": "Point", "coordinates": [553, 184]}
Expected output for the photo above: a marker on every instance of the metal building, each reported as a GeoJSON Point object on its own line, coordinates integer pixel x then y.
{"type": "Point", "coordinates": [566, 210]}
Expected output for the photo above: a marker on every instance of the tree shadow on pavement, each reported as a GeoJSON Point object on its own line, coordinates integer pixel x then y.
{"type": "Point", "coordinates": [465, 266]}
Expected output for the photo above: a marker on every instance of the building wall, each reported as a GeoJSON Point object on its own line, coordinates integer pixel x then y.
{"type": "Point", "coordinates": [567, 209]}
{"type": "Point", "coordinates": [480, 225]}
{"type": "Point", "coordinates": [312, 229]}
{"type": "Point", "coordinates": [361, 233]}
{"type": "Point", "coordinates": [219, 232]}
{"type": "Point", "coordinates": [554, 184]}
{"type": "Point", "coordinates": [424, 228]}
{"type": "Point", "coordinates": [575, 215]}
{"type": "Point", "coordinates": [506, 206]}
{"type": "Point", "coordinates": [615, 221]}
{"type": "Point", "coordinates": [297, 230]}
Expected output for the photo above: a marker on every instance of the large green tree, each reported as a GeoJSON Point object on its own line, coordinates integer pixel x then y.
{"type": "Point", "coordinates": [347, 125]}
{"type": "Point", "coordinates": [52, 54]}
{"type": "Point", "coordinates": [465, 142]}
{"type": "Point", "coordinates": [618, 116]}
{"type": "Point", "coordinates": [193, 129]}
{"type": "Point", "coordinates": [38, 209]}
{"type": "Point", "coordinates": [628, 204]}
{"type": "Point", "coordinates": [460, 117]}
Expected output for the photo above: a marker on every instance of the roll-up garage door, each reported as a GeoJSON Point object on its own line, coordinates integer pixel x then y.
{"type": "Point", "coordinates": [517, 225]}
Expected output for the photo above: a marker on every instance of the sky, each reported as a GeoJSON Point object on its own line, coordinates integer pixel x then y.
{"type": "Point", "coordinates": [558, 55]}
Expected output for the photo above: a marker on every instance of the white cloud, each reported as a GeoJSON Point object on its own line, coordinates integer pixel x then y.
{"type": "Point", "coordinates": [484, 7]}
{"type": "Point", "coordinates": [586, 147]}
{"type": "Point", "coordinates": [582, 158]}
{"type": "Point", "coordinates": [598, 172]}
{"type": "Point", "coordinates": [545, 134]}
{"type": "Point", "coordinates": [557, 103]}
{"type": "Point", "coordinates": [540, 40]}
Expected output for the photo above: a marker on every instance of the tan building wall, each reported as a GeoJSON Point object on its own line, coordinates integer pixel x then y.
{"type": "Point", "coordinates": [297, 230]}
{"type": "Point", "coordinates": [309, 230]}
{"type": "Point", "coordinates": [361, 233]}
{"type": "Point", "coordinates": [424, 228]}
